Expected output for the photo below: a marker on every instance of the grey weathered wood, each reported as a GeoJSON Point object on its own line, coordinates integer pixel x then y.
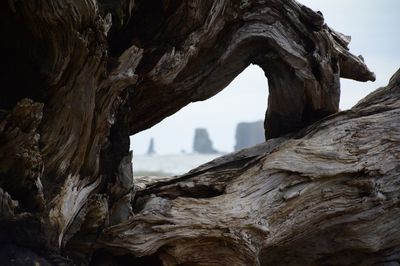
{"type": "Point", "coordinates": [328, 196]}
{"type": "Point", "coordinates": [301, 56]}
{"type": "Point", "coordinates": [78, 77]}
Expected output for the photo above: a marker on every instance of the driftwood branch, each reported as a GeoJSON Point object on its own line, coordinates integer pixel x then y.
{"type": "Point", "coordinates": [79, 77]}
{"type": "Point", "coordinates": [327, 196]}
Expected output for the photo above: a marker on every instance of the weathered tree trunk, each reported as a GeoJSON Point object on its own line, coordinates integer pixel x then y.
{"type": "Point", "coordinates": [79, 77]}
{"type": "Point", "coordinates": [328, 195]}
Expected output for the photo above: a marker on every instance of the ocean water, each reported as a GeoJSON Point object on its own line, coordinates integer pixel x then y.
{"type": "Point", "coordinates": [174, 164]}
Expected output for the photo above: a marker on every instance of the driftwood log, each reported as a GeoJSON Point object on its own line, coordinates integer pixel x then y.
{"type": "Point", "coordinates": [328, 195]}
{"type": "Point", "coordinates": [79, 77]}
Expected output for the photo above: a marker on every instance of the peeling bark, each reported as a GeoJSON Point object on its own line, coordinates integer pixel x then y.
{"type": "Point", "coordinates": [78, 77]}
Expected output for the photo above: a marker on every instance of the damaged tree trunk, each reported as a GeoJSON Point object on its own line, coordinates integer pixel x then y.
{"type": "Point", "coordinates": [79, 77]}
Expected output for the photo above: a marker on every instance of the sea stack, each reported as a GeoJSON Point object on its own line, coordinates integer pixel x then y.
{"type": "Point", "coordinates": [249, 134]}
{"type": "Point", "coordinates": [150, 149]}
{"type": "Point", "coordinates": [202, 143]}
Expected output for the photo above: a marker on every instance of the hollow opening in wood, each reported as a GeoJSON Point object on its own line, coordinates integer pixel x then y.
{"type": "Point", "coordinates": [174, 135]}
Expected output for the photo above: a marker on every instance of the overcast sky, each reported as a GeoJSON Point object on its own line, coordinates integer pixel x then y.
{"type": "Point", "coordinates": [374, 27]}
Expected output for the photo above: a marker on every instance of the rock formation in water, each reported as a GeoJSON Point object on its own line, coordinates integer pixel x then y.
{"type": "Point", "coordinates": [202, 143]}
{"type": "Point", "coordinates": [249, 134]}
{"type": "Point", "coordinates": [150, 149]}
{"type": "Point", "coordinates": [79, 77]}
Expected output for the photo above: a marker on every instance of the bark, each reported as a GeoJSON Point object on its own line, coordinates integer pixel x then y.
{"type": "Point", "coordinates": [78, 77]}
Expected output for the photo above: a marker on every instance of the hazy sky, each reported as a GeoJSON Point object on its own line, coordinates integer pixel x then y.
{"type": "Point", "coordinates": [374, 27]}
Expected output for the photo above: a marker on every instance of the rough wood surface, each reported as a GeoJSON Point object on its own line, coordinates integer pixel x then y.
{"type": "Point", "coordinates": [78, 77]}
{"type": "Point", "coordinates": [327, 196]}
{"type": "Point", "coordinates": [301, 56]}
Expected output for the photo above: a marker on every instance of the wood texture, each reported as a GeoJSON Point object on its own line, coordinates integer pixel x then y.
{"type": "Point", "coordinates": [327, 196]}
{"type": "Point", "coordinates": [79, 77]}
